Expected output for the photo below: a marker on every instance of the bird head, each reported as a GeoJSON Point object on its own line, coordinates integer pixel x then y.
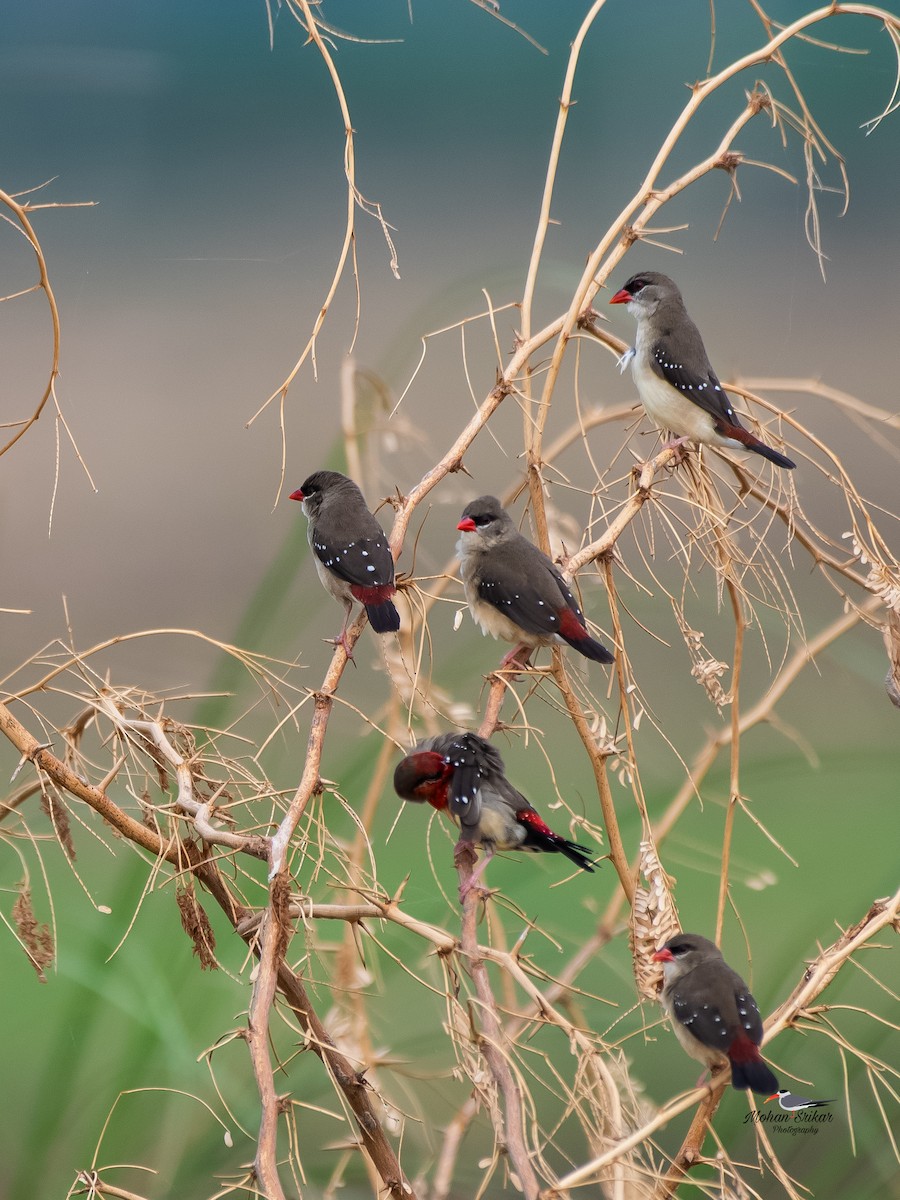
{"type": "Point", "coordinates": [485, 519]}
{"type": "Point", "coordinates": [683, 952]}
{"type": "Point", "coordinates": [777, 1095]}
{"type": "Point", "coordinates": [313, 491]}
{"type": "Point", "coordinates": [643, 293]}
{"type": "Point", "coordinates": [422, 777]}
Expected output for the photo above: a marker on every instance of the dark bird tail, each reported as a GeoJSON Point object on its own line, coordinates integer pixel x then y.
{"type": "Point", "coordinates": [579, 855]}
{"type": "Point", "coordinates": [780, 460]}
{"type": "Point", "coordinates": [572, 631]}
{"type": "Point", "coordinates": [752, 1073]}
{"type": "Point", "coordinates": [738, 433]}
{"type": "Point", "coordinates": [541, 837]}
{"type": "Point", "coordinates": [383, 617]}
{"type": "Point", "coordinates": [590, 648]}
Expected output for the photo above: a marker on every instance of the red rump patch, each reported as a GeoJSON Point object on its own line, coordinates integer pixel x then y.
{"type": "Point", "coordinates": [742, 1050]}
{"type": "Point", "coordinates": [737, 433]}
{"type": "Point", "coordinates": [570, 626]}
{"type": "Point", "coordinates": [533, 821]}
{"type": "Point", "coordinates": [372, 595]}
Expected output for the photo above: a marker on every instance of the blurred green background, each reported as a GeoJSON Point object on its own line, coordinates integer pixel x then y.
{"type": "Point", "coordinates": [216, 164]}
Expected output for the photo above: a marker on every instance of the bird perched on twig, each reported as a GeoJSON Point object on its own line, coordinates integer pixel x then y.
{"type": "Point", "coordinates": [515, 592]}
{"type": "Point", "coordinates": [462, 774]}
{"type": "Point", "coordinates": [714, 1016]}
{"type": "Point", "coordinates": [794, 1104]}
{"type": "Point", "coordinates": [675, 381]}
{"type": "Point", "coordinates": [350, 549]}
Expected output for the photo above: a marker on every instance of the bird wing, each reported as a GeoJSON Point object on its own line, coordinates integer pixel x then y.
{"type": "Point", "coordinates": [534, 598]}
{"type": "Point", "coordinates": [364, 561]}
{"type": "Point", "coordinates": [474, 762]}
{"type": "Point", "coordinates": [703, 386]}
{"type": "Point", "coordinates": [715, 1024]}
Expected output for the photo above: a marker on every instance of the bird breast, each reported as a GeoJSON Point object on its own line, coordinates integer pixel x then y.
{"type": "Point", "coordinates": [498, 826]}
{"type": "Point", "coordinates": [668, 408]}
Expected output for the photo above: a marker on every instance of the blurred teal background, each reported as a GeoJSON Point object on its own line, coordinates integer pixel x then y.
{"type": "Point", "coordinates": [186, 294]}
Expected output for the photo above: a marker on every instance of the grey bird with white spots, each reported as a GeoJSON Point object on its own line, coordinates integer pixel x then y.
{"type": "Point", "coordinates": [515, 592]}
{"type": "Point", "coordinates": [712, 1012]}
{"type": "Point", "coordinates": [675, 381]}
{"type": "Point", "coordinates": [350, 549]}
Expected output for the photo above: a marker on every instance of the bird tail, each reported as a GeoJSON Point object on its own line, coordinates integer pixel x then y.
{"type": "Point", "coordinates": [739, 434]}
{"type": "Point", "coordinates": [383, 616]}
{"type": "Point", "coordinates": [574, 633]}
{"type": "Point", "coordinates": [579, 855]}
{"type": "Point", "coordinates": [539, 836]}
{"type": "Point", "coordinates": [748, 1070]}
{"type": "Point", "coordinates": [590, 648]}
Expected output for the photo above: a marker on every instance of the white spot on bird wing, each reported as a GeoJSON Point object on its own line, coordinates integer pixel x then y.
{"type": "Point", "coordinates": [370, 567]}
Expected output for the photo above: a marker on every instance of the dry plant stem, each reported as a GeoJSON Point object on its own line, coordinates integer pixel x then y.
{"type": "Point", "coordinates": [184, 856]}
{"type": "Point", "coordinates": [352, 1085]}
{"type": "Point", "coordinates": [492, 1040]}
{"type": "Point", "coordinates": [617, 853]}
{"type": "Point", "coordinates": [735, 790]}
{"type": "Point", "coordinates": [649, 198]}
{"type": "Point", "coordinates": [643, 483]}
{"type": "Point", "coordinates": [21, 215]}
{"type": "Point", "coordinates": [353, 198]}
{"type": "Point", "coordinates": [692, 1147]}
{"type": "Point", "coordinates": [816, 978]}
{"type": "Point", "coordinates": [38, 754]}
{"type": "Point", "coordinates": [453, 1139]}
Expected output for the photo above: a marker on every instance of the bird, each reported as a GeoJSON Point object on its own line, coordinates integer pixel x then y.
{"type": "Point", "coordinates": [794, 1104]}
{"type": "Point", "coordinates": [463, 775]}
{"type": "Point", "coordinates": [350, 550]}
{"type": "Point", "coordinates": [675, 381]}
{"type": "Point", "coordinates": [514, 591]}
{"type": "Point", "coordinates": [714, 1016]}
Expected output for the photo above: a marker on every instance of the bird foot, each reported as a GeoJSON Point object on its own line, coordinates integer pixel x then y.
{"type": "Point", "coordinates": [341, 640]}
{"type": "Point", "coordinates": [679, 454]}
{"type": "Point", "coordinates": [473, 885]}
{"type": "Point", "coordinates": [514, 662]}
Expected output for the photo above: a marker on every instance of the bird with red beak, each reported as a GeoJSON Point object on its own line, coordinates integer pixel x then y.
{"type": "Point", "coordinates": [462, 775]}
{"type": "Point", "coordinates": [350, 550]}
{"type": "Point", "coordinates": [675, 381]}
{"type": "Point", "coordinates": [515, 592]}
{"type": "Point", "coordinates": [712, 1011]}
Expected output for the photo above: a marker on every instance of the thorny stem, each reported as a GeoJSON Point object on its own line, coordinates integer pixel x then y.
{"type": "Point", "coordinates": [734, 789]}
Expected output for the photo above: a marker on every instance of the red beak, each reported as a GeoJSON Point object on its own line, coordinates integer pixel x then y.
{"type": "Point", "coordinates": [664, 956]}
{"type": "Point", "coordinates": [768, 1098]}
{"type": "Point", "coordinates": [467, 525]}
{"type": "Point", "coordinates": [298, 495]}
{"type": "Point", "coordinates": [621, 297]}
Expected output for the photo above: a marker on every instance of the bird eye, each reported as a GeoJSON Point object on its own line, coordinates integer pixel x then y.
{"type": "Point", "coordinates": [482, 519]}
